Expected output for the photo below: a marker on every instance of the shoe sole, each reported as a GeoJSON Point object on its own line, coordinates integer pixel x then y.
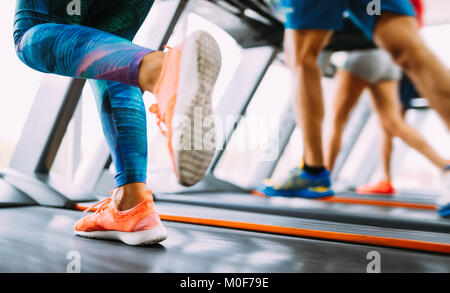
{"type": "Point", "coordinates": [146, 237]}
{"type": "Point", "coordinates": [199, 69]}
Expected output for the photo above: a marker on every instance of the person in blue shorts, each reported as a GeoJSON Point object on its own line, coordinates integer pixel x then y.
{"type": "Point", "coordinates": [392, 25]}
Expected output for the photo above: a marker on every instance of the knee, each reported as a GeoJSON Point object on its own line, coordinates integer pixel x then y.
{"type": "Point", "coordinates": [303, 59]}
{"type": "Point", "coordinates": [409, 57]}
{"type": "Point", "coordinates": [26, 46]}
{"type": "Point", "coordinates": [18, 36]}
{"type": "Point", "coordinates": [391, 127]}
{"type": "Point", "coordinates": [24, 30]}
{"type": "Point", "coordinates": [21, 27]}
{"type": "Point", "coordinates": [302, 48]}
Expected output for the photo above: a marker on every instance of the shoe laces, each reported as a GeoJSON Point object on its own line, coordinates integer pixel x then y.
{"type": "Point", "coordinates": [295, 172]}
{"type": "Point", "coordinates": [159, 118]}
{"type": "Point", "coordinates": [155, 109]}
{"type": "Point", "coordinates": [102, 205]}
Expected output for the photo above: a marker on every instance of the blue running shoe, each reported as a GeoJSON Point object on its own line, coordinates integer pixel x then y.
{"type": "Point", "coordinates": [444, 211]}
{"type": "Point", "coordinates": [444, 200]}
{"type": "Point", "coordinates": [300, 184]}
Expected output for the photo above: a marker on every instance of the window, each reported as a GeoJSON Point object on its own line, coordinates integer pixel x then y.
{"type": "Point", "coordinates": [19, 85]}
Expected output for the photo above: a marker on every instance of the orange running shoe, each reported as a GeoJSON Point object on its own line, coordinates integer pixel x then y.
{"type": "Point", "coordinates": [138, 226]}
{"type": "Point", "coordinates": [382, 187]}
{"type": "Point", "coordinates": [183, 93]}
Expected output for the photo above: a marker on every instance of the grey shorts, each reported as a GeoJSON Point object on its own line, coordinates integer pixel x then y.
{"type": "Point", "coordinates": [374, 65]}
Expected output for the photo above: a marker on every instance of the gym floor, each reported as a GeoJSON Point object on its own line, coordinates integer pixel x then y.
{"type": "Point", "coordinates": [39, 239]}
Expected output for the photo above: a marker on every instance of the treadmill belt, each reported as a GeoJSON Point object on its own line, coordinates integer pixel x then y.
{"type": "Point", "coordinates": [415, 199]}
{"type": "Point", "coordinates": [38, 239]}
{"type": "Point", "coordinates": [437, 242]}
{"type": "Point", "coordinates": [400, 201]}
{"type": "Point", "coordinates": [408, 239]}
{"type": "Point", "coordinates": [387, 217]}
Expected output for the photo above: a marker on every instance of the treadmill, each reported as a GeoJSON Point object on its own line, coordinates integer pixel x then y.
{"type": "Point", "coordinates": [215, 226]}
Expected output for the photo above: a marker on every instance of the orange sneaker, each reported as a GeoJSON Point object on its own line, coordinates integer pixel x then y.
{"type": "Point", "coordinates": [138, 226]}
{"type": "Point", "coordinates": [382, 187]}
{"type": "Point", "coordinates": [184, 90]}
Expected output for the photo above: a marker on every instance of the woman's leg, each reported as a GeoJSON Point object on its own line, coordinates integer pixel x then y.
{"type": "Point", "coordinates": [400, 36]}
{"type": "Point", "coordinates": [386, 153]}
{"type": "Point", "coordinates": [384, 97]}
{"type": "Point", "coordinates": [105, 28]}
{"type": "Point", "coordinates": [97, 46]}
{"type": "Point", "coordinates": [89, 46]}
{"type": "Point", "coordinates": [349, 89]}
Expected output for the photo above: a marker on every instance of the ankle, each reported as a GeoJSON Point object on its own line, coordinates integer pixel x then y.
{"type": "Point", "coordinates": [129, 196]}
{"type": "Point", "coordinates": [313, 170]}
{"type": "Point", "coordinates": [150, 71]}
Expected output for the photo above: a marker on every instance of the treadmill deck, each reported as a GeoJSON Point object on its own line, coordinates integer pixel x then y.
{"type": "Point", "coordinates": [38, 239]}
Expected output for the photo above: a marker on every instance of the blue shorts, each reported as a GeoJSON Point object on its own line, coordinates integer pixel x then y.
{"type": "Point", "coordinates": [328, 14]}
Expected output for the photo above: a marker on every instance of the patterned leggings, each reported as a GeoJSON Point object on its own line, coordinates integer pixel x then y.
{"type": "Point", "coordinates": [96, 45]}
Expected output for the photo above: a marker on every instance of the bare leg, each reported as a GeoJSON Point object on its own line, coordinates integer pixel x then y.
{"type": "Point", "coordinates": [387, 106]}
{"type": "Point", "coordinates": [386, 153]}
{"type": "Point", "coordinates": [348, 92]}
{"type": "Point", "coordinates": [399, 35]}
{"type": "Point", "coordinates": [302, 50]}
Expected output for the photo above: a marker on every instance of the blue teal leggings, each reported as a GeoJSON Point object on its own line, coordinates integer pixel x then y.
{"type": "Point", "coordinates": [96, 45]}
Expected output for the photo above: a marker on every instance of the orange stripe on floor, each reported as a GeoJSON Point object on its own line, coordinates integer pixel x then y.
{"type": "Point", "coordinates": [368, 201]}
{"type": "Point", "coordinates": [326, 235]}
{"type": "Point", "coordinates": [377, 202]}
{"type": "Point", "coordinates": [257, 193]}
